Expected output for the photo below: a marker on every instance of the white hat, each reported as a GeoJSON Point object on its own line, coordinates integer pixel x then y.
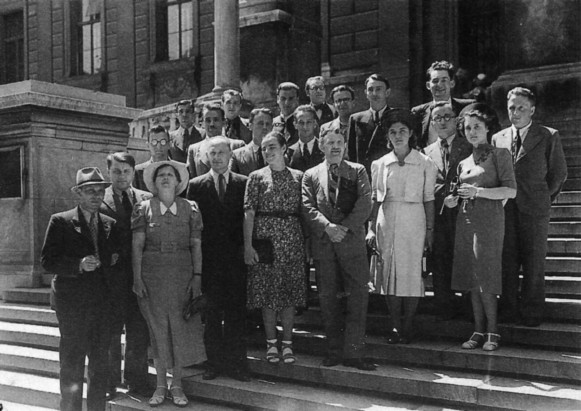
{"type": "Point", "coordinates": [181, 168]}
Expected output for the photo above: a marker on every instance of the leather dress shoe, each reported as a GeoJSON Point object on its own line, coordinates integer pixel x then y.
{"type": "Point", "coordinates": [210, 374]}
{"type": "Point", "coordinates": [331, 361]}
{"type": "Point", "coordinates": [360, 364]}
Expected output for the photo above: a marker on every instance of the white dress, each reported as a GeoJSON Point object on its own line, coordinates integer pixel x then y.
{"type": "Point", "coordinates": [401, 220]}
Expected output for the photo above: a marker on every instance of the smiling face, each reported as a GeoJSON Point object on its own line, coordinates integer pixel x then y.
{"type": "Point", "coordinates": [231, 106]}
{"type": "Point", "coordinates": [272, 151]}
{"type": "Point", "coordinates": [475, 130]}
{"type": "Point", "coordinates": [121, 175]}
{"type": "Point", "coordinates": [399, 135]}
{"type": "Point", "coordinates": [306, 125]}
{"type": "Point", "coordinates": [213, 122]}
{"type": "Point", "coordinates": [90, 197]}
{"type": "Point", "coordinates": [333, 146]}
{"type": "Point", "coordinates": [377, 94]}
{"type": "Point", "coordinates": [316, 91]}
{"type": "Point", "coordinates": [520, 110]}
{"type": "Point", "coordinates": [166, 179]}
{"type": "Point", "coordinates": [261, 125]}
{"type": "Point", "coordinates": [287, 101]}
{"type": "Point", "coordinates": [440, 85]}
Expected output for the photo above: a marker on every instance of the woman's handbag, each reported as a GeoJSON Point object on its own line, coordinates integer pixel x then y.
{"type": "Point", "coordinates": [264, 249]}
{"type": "Point", "coordinates": [194, 306]}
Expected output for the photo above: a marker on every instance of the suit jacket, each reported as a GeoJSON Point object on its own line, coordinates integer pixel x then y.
{"type": "Point", "coordinates": [459, 150]}
{"type": "Point", "coordinates": [295, 158]}
{"type": "Point", "coordinates": [176, 153]}
{"type": "Point", "coordinates": [366, 142]}
{"type": "Point", "coordinates": [198, 162]}
{"type": "Point", "coordinates": [222, 237]}
{"type": "Point", "coordinates": [540, 168]}
{"type": "Point", "coordinates": [138, 181]}
{"type": "Point", "coordinates": [238, 130]}
{"type": "Point", "coordinates": [244, 160]}
{"type": "Point", "coordinates": [336, 124]}
{"type": "Point", "coordinates": [287, 128]}
{"type": "Point", "coordinates": [423, 114]}
{"type": "Point", "coordinates": [352, 208]}
{"type": "Point", "coordinates": [123, 223]}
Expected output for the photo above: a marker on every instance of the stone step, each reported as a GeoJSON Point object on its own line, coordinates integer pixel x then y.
{"type": "Point", "coordinates": [39, 296]}
{"type": "Point", "coordinates": [35, 336]}
{"type": "Point", "coordinates": [569, 197]}
{"type": "Point", "coordinates": [572, 184]}
{"type": "Point", "coordinates": [565, 229]}
{"type": "Point", "coordinates": [23, 407]}
{"type": "Point", "coordinates": [32, 360]}
{"type": "Point", "coordinates": [570, 265]}
{"type": "Point", "coordinates": [574, 172]}
{"type": "Point", "coordinates": [562, 246]}
{"type": "Point", "coordinates": [565, 212]}
{"type": "Point", "coordinates": [573, 159]}
{"type": "Point", "coordinates": [28, 314]}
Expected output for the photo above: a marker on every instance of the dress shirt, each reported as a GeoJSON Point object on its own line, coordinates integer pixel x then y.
{"type": "Point", "coordinates": [217, 181]}
{"type": "Point", "coordinates": [380, 112]}
{"type": "Point", "coordinates": [253, 146]}
{"type": "Point", "coordinates": [172, 208]}
{"type": "Point", "coordinates": [523, 132]}
{"type": "Point", "coordinates": [309, 145]}
{"type": "Point", "coordinates": [179, 137]}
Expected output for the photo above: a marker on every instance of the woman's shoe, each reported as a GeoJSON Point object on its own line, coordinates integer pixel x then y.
{"type": "Point", "coordinates": [158, 397]}
{"type": "Point", "coordinates": [272, 355]}
{"type": "Point", "coordinates": [491, 343]}
{"type": "Point", "coordinates": [476, 340]}
{"type": "Point", "coordinates": [393, 337]}
{"type": "Point", "coordinates": [179, 399]}
{"type": "Point", "coordinates": [288, 357]}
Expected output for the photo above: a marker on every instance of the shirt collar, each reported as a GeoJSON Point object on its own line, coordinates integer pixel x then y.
{"type": "Point", "coordinates": [449, 101]}
{"type": "Point", "coordinates": [86, 214]}
{"type": "Point", "coordinates": [215, 176]}
{"type": "Point", "coordinates": [172, 208]}
{"type": "Point", "coordinates": [254, 147]}
{"type": "Point", "coordinates": [411, 158]}
{"type": "Point", "coordinates": [310, 145]}
{"type": "Point", "coordinates": [380, 111]}
{"type": "Point", "coordinates": [523, 131]}
{"type": "Point", "coordinates": [448, 139]}
{"type": "Point", "coordinates": [119, 193]}
{"type": "Point", "coordinates": [328, 165]}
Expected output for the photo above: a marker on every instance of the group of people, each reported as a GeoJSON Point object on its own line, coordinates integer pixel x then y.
{"type": "Point", "coordinates": [239, 210]}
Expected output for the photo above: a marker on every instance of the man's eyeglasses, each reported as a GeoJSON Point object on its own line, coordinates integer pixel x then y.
{"type": "Point", "coordinates": [317, 88]}
{"type": "Point", "coordinates": [161, 142]}
{"type": "Point", "coordinates": [343, 100]}
{"type": "Point", "coordinates": [446, 118]}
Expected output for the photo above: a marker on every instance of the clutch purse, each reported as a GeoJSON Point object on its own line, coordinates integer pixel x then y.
{"type": "Point", "coordinates": [264, 249]}
{"type": "Point", "coordinates": [194, 306]}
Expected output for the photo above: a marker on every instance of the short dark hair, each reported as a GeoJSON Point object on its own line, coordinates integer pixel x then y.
{"type": "Point", "coordinates": [286, 86]}
{"type": "Point", "coordinates": [312, 79]}
{"type": "Point", "coordinates": [377, 77]}
{"type": "Point", "coordinates": [340, 88]}
{"type": "Point", "coordinates": [482, 112]}
{"type": "Point", "coordinates": [405, 117]}
{"type": "Point", "coordinates": [305, 108]}
{"type": "Point", "coordinates": [441, 65]}
{"type": "Point", "coordinates": [233, 93]}
{"type": "Point", "coordinates": [523, 92]}
{"type": "Point", "coordinates": [257, 111]}
{"type": "Point", "coordinates": [330, 130]}
{"type": "Point", "coordinates": [278, 136]}
{"type": "Point", "coordinates": [121, 157]}
{"type": "Point", "coordinates": [213, 107]}
{"type": "Point", "coordinates": [158, 128]}
{"type": "Point", "coordinates": [184, 103]}
{"type": "Point", "coordinates": [177, 173]}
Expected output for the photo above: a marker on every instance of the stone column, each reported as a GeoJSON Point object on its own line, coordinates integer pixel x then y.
{"type": "Point", "coordinates": [226, 45]}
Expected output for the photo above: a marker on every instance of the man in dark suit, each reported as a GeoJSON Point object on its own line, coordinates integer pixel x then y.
{"type": "Point", "coordinates": [287, 98]}
{"type": "Point", "coordinates": [187, 133]}
{"type": "Point", "coordinates": [305, 153]}
{"type": "Point", "coordinates": [366, 138]}
{"type": "Point", "coordinates": [344, 100]}
{"type": "Point", "coordinates": [118, 203]}
{"type": "Point", "coordinates": [79, 248]}
{"type": "Point", "coordinates": [540, 171]}
{"type": "Point", "coordinates": [220, 196]}
{"type": "Point", "coordinates": [440, 82]}
{"type": "Point", "coordinates": [336, 204]}
{"type": "Point", "coordinates": [446, 152]}
{"type": "Point", "coordinates": [315, 90]}
{"type": "Point", "coordinates": [249, 158]}
{"type": "Point", "coordinates": [213, 120]}
{"type": "Point", "coordinates": [234, 126]}
{"type": "Point", "coordinates": [159, 146]}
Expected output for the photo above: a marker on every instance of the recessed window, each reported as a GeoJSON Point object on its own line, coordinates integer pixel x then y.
{"type": "Point", "coordinates": [11, 170]}
{"type": "Point", "coordinates": [174, 29]}
{"type": "Point", "coordinates": [86, 36]}
{"type": "Point", "coordinates": [12, 48]}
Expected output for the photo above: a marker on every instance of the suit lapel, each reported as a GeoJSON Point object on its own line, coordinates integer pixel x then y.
{"type": "Point", "coordinates": [324, 180]}
{"type": "Point", "coordinates": [426, 119]}
{"type": "Point", "coordinates": [108, 200]}
{"type": "Point", "coordinates": [435, 154]}
{"type": "Point", "coordinates": [533, 138]}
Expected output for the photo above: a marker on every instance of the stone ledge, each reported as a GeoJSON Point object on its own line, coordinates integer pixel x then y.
{"type": "Point", "coordinates": [266, 17]}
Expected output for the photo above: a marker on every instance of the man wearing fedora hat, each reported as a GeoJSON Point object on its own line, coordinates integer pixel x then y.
{"type": "Point", "coordinates": [79, 247]}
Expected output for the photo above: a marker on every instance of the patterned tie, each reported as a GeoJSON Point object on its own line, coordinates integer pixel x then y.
{"type": "Point", "coordinates": [94, 229]}
{"type": "Point", "coordinates": [446, 155]}
{"type": "Point", "coordinates": [260, 158]}
{"type": "Point", "coordinates": [333, 183]}
{"type": "Point", "coordinates": [516, 145]}
{"type": "Point", "coordinates": [228, 128]}
{"type": "Point", "coordinates": [126, 202]}
{"type": "Point", "coordinates": [221, 187]}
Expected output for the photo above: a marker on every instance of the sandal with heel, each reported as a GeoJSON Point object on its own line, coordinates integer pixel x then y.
{"type": "Point", "coordinates": [158, 396]}
{"type": "Point", "coordinates": [179, 399]}
{"type": "Point", "coordinates": [288, 356]}
{"type": "Point", "coordinates": [272, 355]}
{"type": "Point", "coordinates": [491, 343]}
{"type": "Point", "coordinates": [476, 340]}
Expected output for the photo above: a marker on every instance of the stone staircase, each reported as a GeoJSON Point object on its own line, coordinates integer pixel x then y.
{"type": "Point", "coordinates": [535, 369]}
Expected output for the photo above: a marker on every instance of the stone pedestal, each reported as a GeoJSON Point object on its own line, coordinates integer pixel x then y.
{"type": "Point", "coordinates": [57, 129]}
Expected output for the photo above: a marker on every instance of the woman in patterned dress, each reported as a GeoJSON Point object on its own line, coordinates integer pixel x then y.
{"type": "Point", "coordinates": [272, 212]}
{"type": "Point", "coordinates": [486, 178]}
{"type": "Point", "coordinates": [167, 267]}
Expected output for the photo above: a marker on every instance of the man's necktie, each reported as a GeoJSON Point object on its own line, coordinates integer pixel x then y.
{"type": "Point", "coordinates": [185, 138]}
{"type": "Point", "coordinates": [94, 229]}
{"type": "Point", "coordinates": [259, 158]}
{"type": "Point", "coordinates": [376, 118]}
{"type": "Point", "coordinates": [333, 183]}
{"type": "Point", "coordinates": [446, 155]}
{"type": "Point", "coordinates": [126, 203]}
{"type": "Point", "coordinates": [306, 153]}
{"type": "Point", "coordinates": [516, 145]}
{"type": "Point", "coordinates": [221, 187]}
{"type": "Point", "coordinates": [228, 128]}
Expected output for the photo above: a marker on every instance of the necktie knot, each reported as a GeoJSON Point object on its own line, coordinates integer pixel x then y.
{"type": "Point", "coordinates": [376, 117]}
{"type": "Point", "coordinates": [319, 106]}
{"type": "Point", "coordinates": [126, 202]}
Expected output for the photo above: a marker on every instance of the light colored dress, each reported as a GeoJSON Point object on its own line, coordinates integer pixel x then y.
{"type": "Point", "coordinates": [401, 221]}
{"type": "Point", "coordinates": [166, 269]}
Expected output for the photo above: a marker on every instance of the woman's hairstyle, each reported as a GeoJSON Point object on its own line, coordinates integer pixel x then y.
{"type": "Point", "coordinates": [276, 135]}
{"type": "Point", "coordinates": [176, 172]}
{"type": "Point", "coordinates": [399, 115]}
{"type": "Point", "coordinates": [482, 112]}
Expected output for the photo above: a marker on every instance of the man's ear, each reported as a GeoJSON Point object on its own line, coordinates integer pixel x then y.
{"type": "Point", "coordinates": [388, 92]}
{"type": "Point", "coordinates": [452, 84]}
{"type": "Point", "coordinates": [533, 108]}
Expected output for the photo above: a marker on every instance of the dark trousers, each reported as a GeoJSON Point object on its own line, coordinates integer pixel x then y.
{"type": "Point", "coordinates": [225, 318]}
{"type": "Point", "coordinates": [125, 313]}
{"type": "Point", "coordinates": [442, 258]}
{"type": "Point", "coordinates": [525, 243]}
{"type": "Point", "coordinates": [345, 331]}
{"type": "Point", "coordinates": [82, 313]}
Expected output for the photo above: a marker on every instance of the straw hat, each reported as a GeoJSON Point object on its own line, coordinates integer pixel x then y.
{"type": "Point", "coordinates": [149, 172]}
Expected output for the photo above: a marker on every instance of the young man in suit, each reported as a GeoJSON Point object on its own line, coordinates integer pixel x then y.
{"type": "Point", "coordinates": [315, 90]}
{"type": "Point", "coordinates": [213, 121]}
{"type": "Point", "coordinates": [234, 126]}
{"type": "Point", "coordinates": [366, 138]}
{"type": "Point", "coordinates": [446, 152]}
{"type": "Point", "coordinates": [344, 100]}
{"type": "Point", "coordinates": [287, 98]}
{"type": "Point", "coordinates": [249, 158]}
{"type": "Point", "coordinates": [159, 147]}
{"type": "Point", "coordinates": [440, 82]}
{"type": "Point", "coordinates": [187, 133]}
{"type": "Point", "coordinates": [80, 247]}
{"type": "Point", "coordinates": [540, 171]}
{"type": "Point", "coordinates": [305, 153]}
{"type": "Point", "coordinates": [220, 196]}
{"type": "Point", "coordinates": [336, 205]}
{"type": "Point", "coordinates": [120, 197]}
